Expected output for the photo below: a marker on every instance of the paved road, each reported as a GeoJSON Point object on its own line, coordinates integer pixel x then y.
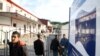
{"type": "Point", "coordinates": [30, 51]}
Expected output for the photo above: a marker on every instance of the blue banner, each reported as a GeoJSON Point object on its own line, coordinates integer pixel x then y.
{"type": "Point", "coordinates": [72, 51]}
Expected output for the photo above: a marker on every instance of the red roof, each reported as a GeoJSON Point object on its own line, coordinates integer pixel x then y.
{"type": "Point", "coordinates": [44, 21]}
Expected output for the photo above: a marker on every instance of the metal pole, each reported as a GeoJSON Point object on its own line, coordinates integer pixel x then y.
{"type": "Point", "coordinates": [69, 29]}
{"type": "Point", "coordinates": [69, 23]}
{"type": "Point", "coordinates": [1, 36]}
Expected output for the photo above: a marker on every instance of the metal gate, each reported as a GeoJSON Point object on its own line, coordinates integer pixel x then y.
{"type": "Point", "coordinates": [3, 44]}
{"type": "Point", "coordinates": [28, 38]}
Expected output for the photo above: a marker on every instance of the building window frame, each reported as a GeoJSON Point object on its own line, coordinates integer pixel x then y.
{"type": "Point", "coordinates": [1, 6]}
{"type": "Point", "coordinates": [14, 25]}
{"type": "Point", "coordinates": [25, 28]}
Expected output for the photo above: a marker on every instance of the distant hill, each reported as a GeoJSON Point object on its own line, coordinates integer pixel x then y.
{"type": "Point", "coordinates": [65, 23]}
{"type": "Point", "coordinates": [59, 23]}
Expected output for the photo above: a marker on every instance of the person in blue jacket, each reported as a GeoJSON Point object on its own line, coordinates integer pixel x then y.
{"type": "Point", "coordinates": [64, 45]}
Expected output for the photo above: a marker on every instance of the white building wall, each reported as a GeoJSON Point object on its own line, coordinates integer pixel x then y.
{"type": "Point", "coordinates": [8, 7]}
{"type": "Point", "coordinates": [4, 27]}
{"type": "Point", "coordinates": [5, 20]}
{"type": "Point", "coordinates": [19, 25]}
{"type": "Point", "coordinates": [36, 29]}
{"type": "Point", "coordinates": [64, 30]}
{"type": "Point", "coordinates": [7, 23]}
{"type": "Point", "coordinates": [43, 27]}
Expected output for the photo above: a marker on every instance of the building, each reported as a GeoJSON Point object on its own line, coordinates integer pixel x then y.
{"type": "Point", "coordinates": [15, 18]}
{"type": "Point", "coordinates": [47, 25]}
{"type": "Point", "coordinates": [60, 29]}
{"type": "Point", "coordinates": [65, 30]}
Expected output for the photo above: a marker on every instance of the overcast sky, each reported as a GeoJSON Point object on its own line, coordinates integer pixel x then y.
{"type": "Point", "coordinates": [53, 10]}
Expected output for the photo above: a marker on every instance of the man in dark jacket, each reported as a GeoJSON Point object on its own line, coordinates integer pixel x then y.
{"type": "Point", "coordinates": [17, 47]}
{"type": "Point", "coordinates": [39, 46]}
{"type": "Point", "coordinates": [54, 46]}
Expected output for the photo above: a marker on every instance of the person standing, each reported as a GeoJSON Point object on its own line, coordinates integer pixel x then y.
{"type": "Point", "coordinates": [54, 46]}
{"type": "Point", "coordinates": [16, 46]}
{"type": "Point", "coordinates": [64, 45]}
{"type": "Point", "coordinates": [39, 46]}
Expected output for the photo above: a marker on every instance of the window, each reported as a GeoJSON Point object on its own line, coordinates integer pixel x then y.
{"type": "Point", "coordinates": [14, 25]}
{"type": "Point", "coordinates": [30, 27]}
{"type": "Point", "coordinates": [39, 25]}
{"type": "Point", "coordinates": [1, 5]}
{"type": "Point", "coordinates": [16, 11]}
{"type": "Point", "coordinates": [24, 14]}
{"type": "Point", "coordinates": [8, 8]}
{"type": "Point", "coordinates": [24, 28]}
